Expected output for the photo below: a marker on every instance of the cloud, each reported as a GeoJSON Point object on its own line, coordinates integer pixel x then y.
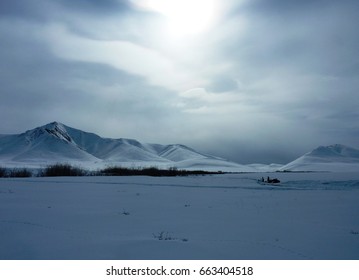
{"type": "Point", "coordinates": [268, 81]}
{"type": "Point", "coordinates": [46, 9]}
{"type": "Point", "coordinates": [92, 96]}
{"type": "Point", "coordinates": [123, 55]}
{"type": "Point", "coordinates": [103, 7]}
{"type": "Point", "coordinates": [223, 84]}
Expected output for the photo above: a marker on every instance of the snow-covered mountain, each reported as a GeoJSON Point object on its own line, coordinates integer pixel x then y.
{"type": "Point", "coordinates": [56, 142]}
{"type": "Point", "coordinates": [326, 158]}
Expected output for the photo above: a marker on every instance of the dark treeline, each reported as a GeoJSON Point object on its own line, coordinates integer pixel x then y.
{"type": "Point", "coordinates": [15, 173]}
{"type": "Point", "coordinates": [64, 169]}
{"type": "Point", "coordinates": [152, 171]}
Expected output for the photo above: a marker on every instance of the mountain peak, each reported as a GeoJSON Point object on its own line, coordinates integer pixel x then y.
{"type": "Point", "coordinates": [58, 130]}
{"type": "Point", "coordinates": [53, 129]}
{"type": "Point", "coordinates": [54, 125]}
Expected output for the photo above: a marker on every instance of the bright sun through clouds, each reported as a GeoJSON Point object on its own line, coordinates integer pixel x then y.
{"type": "Point", "coordinates": [185, 17]}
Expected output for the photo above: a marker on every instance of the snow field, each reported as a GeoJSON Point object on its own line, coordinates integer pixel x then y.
{"type": "Point", "coordinates": [232, 216]}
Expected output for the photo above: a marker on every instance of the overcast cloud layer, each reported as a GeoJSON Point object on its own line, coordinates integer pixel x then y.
{"type": "Point", "coordinates": [266, 81]}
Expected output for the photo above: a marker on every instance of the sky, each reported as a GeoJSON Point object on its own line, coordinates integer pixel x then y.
{"type": "Point", "coordinates": [253, 81]}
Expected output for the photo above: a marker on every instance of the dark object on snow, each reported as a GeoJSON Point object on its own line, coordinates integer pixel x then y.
{"type": "Point", "coordinates": [272, 181]}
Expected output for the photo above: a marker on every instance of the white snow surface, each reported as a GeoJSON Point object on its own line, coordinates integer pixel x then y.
{"type": "Point", "coordinates": [58, 143]}
{"type": "Point", "coordinates": [230, 216]}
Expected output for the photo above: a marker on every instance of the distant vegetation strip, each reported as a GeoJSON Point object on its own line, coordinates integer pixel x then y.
{"type": "Point", "coordinates": [153, 171]}
{"type": "Point", "coordinates": [15, 173]}
{"type": "Point", "coordinates": [64, 169]}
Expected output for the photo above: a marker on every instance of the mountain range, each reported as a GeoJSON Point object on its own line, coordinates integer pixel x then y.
{"type": "Point", "coordinates": [58, 143]}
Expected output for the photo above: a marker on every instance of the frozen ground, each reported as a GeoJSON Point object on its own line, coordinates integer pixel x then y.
{"type": "Point", "coordinates": [232, 216]}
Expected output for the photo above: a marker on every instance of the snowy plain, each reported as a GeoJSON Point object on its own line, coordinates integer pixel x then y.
{"type": "Point", "coordinates": [228, 216]}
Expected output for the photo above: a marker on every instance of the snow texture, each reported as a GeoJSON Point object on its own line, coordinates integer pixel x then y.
{"type": "Point", "coordinates": [231, 216]}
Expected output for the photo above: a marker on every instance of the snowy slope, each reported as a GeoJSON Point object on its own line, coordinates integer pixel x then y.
{"type": "Point", "coordinates": [326, 158]}
{"type": "Point", "coordinates": [56, 142]}
{"type": "Point", "coordinates": [273, 167]}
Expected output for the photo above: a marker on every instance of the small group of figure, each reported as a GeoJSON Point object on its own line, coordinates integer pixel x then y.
{"type": "Point", "coordinates": [271, 181]}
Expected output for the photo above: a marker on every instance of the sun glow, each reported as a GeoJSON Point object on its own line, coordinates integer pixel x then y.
{"type": "Point", "coordinates": [185, 17]}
